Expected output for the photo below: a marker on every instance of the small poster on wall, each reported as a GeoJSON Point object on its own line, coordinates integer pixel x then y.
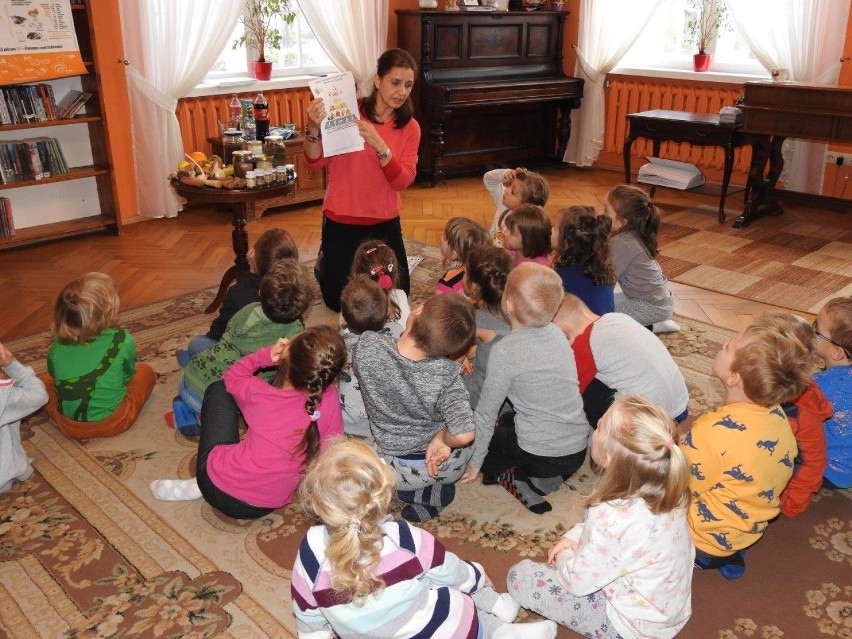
{"type": "Point", "coordinates": [340, 126]}
{"type": "Point", "coordinates": [37, 41]}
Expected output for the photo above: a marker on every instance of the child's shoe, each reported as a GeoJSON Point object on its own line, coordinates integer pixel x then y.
{"type": "Point", "coordinates": [735, 568]}
{"type": "Point", "coordinates": [186, 421]}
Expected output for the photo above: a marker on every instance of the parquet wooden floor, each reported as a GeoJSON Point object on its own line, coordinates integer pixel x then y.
{"type": "Point", "coordinates": [157, 259]}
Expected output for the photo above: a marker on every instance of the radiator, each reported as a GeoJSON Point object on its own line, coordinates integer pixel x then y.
{"type": "Point", "coordinates": [199, 117]}
{"type": "Point", "coordinates": [628, 94]}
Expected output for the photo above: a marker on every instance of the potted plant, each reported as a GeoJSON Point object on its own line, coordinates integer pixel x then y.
{"type": "Point", "coordinates": [259, 33]}
{"type": "Point", "coordinates": [705, 21]}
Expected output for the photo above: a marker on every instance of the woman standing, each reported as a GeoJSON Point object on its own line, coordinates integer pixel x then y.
{"type": "Point", "coordinates": [362, 201]}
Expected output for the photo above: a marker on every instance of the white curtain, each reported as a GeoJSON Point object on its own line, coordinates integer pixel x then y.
{"type": "Point", "coordinates": [353, 34]}
{"type": "Point", "coordinates": [806, 39]}
{"type": "Point", "coordinates": [608, 28]}
{"type": "Point", "coordinates": [171, 46]}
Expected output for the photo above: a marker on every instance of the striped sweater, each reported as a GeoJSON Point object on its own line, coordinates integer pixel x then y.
{"type": "Point", "coordinates": [426, 593]}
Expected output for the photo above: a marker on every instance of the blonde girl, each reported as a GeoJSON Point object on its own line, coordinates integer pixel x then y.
{"type": "Point", "coordinates": [581, 256]}
{"type": "Point", "coordinates": [626, 570]}
{"type": "Point", "coordinates": [361, 573]}
{"type": "Point", "coordinates": [511, 188]}
{"type": "Point", "coordinates": [461, 236]}
{"type": "Point", "coordinates": [95, 387]}
{"type": "Point", "coordinates": [526, 232]}
{"type": "Point", "coordinates": [287, 422]}
{"type": "Point", "coordinates": [645, 294]}
{"type": "Point", "coordinates": [377, 260]}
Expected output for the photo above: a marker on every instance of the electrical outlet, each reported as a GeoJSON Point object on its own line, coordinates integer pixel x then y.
{"type": "Point", "coordinates": [831, 157]}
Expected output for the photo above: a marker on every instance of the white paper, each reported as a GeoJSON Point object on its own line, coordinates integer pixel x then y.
{"type": "Point", "coordinates": [671, 173]}
{"type": "Point", "coordinates": [339, 127]}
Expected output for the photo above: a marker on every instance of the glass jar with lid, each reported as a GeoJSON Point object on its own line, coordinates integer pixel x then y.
{"type": "Point", "coordinates": [255, 146]}
{"type": "Point", "coordinates": [243, 162]}
{"type": "Point", "coordinates": [232, 140]}
{"type": "Point", "coordinates": [251, 180]}
{"type": "Point", "coordinates": [263, 162]}
{"type": "Point", "coordinates": [274, 145]}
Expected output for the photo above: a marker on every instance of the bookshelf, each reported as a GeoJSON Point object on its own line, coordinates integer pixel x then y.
{"type": "Point", "coordinates": [84, 199]}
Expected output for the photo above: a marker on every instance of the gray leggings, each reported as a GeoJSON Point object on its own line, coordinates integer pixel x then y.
{"type": "Point", "coordinates": [643, 311]}
{"type": "Point", "coordinates": [537, 587]}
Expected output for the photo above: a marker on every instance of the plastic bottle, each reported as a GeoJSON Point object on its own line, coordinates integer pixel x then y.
{"type": "Point", "coordinates": [261, 116]}
{"type": "Point", "coordinates": [235, 111]}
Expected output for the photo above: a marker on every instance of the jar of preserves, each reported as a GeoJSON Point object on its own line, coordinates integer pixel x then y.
{"type": "Point", "coordinates": [290, 170]}
{"type": "Point", "coordinates": [251, 180]}
{"type": "Point", "coordinates": [273, 145]}
{"type": "Point", "coordinates": [263, 162]}
{"type": "Point", "coordinates": [243, 162]}
{"type": "Point", "coordinates": [232, 140]}
{"type": "Point", "coordinates": [280, 175]}
{"type": "Point", "coordinates": [255, 146]}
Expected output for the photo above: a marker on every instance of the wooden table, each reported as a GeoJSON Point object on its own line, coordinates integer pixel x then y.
{"type": "Point", "coordinates": [696, 129]}
{"type": "Point", "coordinates": [238, 202]}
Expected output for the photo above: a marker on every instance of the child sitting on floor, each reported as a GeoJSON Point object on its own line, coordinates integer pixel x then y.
{"type": "Point", "coordinates": [360, 573]}
{"type": "Point", "coordinates": [287, 423]}
{"type": "Point", "coordinates": [645, 294]}
{"type": "Point", "coordinates": [461, 236]}
{"type": "Point", "coordinates": [284, 297]}
{"type": "Point", "coordinates": [741, 455]}
{"type": "Point", "coordinates": [581, 257]}
{"type": "Point", "coordinates": [533, 450]}
{"type": "Point", "coordinates": [418, 407]}
{"type": "Point", "coordinates": [527, 235]}
{"type": "Point", "coordinates": [377, 261]}
{"type": "Point", "coordinates": [94, 385]}
{"type": "Point", "coordinates": [486, 271]}
{"type": "Point", "coordinates": [626, 570]}
{"type": "Point", "coordinates": [511, 188]}
{"type": "Point", "coordinates": [363, 307]}
{"type": "Point", "coordinates": [274, 244]}
{"type": "Point", "coordinates": [806, 414]}
{"type": "Point", "coordinates": [833, 326]}
{"type": "Point", "coordinates": [21, 393]}
{"type": "Point", "coordinates": [600, 342]}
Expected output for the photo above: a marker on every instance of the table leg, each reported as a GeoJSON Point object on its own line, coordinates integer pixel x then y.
{"type": "Point", "coordinates": [759, 203]}
{"type": "Point", "coordinates": [628, 144]}
{"type": "Point", "coordinates": [239, 240]}
{"type": "Point", "coordinates": [726, 177]}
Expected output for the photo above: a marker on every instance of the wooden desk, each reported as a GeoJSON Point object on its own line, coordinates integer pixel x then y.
{"type": "Point", "coordinates": [239, 203]}
{"type": "Point", "coordinates": [684, 126]}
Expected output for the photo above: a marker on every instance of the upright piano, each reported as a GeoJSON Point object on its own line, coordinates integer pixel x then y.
{"type": "Point", "coordinates": [491, 91]}
{"type": "Point", "coordinates": [775, 111]}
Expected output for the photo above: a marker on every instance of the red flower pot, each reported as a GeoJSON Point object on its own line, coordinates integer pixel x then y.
{"type": "Point", "coordinates": [262, 70]}
{"type": "Point", "coordinates": [701, 61]}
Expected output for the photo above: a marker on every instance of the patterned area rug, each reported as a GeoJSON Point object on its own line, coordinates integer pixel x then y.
{"type": "Point", "coordinates": [85, 551]}
{"type": "Point", "coordinates": [787, 262]}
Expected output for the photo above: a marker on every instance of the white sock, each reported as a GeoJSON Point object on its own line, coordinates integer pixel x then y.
{"type": "Point", "coordinates": [7, 486]}
{"type": "Point", "coordinates": [506, 608]}
{"type": "Point", "coordinates": [535, 630]}
{"type": "Point", "coordinates": [24, 476]}
{"type": "Point", "coordinates": [668, 326]}
{"type": "Point", "coordinates": [175, 489]}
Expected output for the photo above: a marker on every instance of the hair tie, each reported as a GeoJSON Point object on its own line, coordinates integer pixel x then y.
{"type": "Point", "coordinates": [355, 524]}
{"type": "Point", "coordinates": [382, 278]}
{"type": "Point", "coordinates": [670, 443]}
{"type": "Point", "coordinates": [315, 416]}
{"type": "Point", "coordinates": [375, 248]}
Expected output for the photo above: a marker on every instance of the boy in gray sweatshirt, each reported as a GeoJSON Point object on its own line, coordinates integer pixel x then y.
{"type": "Point", "coordinates": [533, 450]}
{"type": "Point", "coordinates": [418, 407]}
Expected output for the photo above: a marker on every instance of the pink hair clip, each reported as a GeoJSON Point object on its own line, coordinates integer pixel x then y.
{"type": "Point", "coordinates": [315, 416]}
{"type": "Point", "coordinates": [670, 443]}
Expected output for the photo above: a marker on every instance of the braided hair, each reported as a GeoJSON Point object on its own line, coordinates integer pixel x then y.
{"type": "Point", "coordinates": [314, 360]}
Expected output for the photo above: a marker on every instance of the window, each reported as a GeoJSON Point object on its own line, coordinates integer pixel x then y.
{"type": "Point", "coordinates": [664, 44]}
{"type": "Point", "coordinates": [300, 53]}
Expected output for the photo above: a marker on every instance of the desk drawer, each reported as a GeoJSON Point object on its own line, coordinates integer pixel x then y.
{"type": "Point", "coordinates": [696, 133]}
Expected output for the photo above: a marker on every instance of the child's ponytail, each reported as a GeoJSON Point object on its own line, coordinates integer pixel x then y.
{"type": "Point", "coordinates": [632, 205]}
{"type": "Point", "coordinates": [315, 358]}
{"type": "Point", "coordinates": [348, 488]}
{"type": "Point", "coordinates": [645, 461]}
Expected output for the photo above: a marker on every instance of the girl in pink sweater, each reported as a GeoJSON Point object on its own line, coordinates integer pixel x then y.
{"type": "Point", "coordinates": [287, 421]}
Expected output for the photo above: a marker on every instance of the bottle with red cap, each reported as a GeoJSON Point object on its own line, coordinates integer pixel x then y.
{"type": "Point", "coordinates": [261, 116]}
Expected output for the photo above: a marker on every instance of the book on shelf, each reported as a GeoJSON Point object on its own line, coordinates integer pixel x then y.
{"type": "Point", "coordinates": [71, 103]}
{"type": "Point", "coordinates": [7, 222]}
{"type": "Point", "coordinates": [25, 103]}
{"type": "Point", "coordinates": [31, 159]}
{"type": "Point", "coordinates": [670, 173]}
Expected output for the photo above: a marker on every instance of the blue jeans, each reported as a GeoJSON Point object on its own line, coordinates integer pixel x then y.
{"type": "Point", "coordinates": [190, 397]}
{"type": "Point", "coordinates": [196, 345]}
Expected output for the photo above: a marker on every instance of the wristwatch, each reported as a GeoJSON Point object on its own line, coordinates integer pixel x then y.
{"type": "Point", "coordinates": [384, 155]}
